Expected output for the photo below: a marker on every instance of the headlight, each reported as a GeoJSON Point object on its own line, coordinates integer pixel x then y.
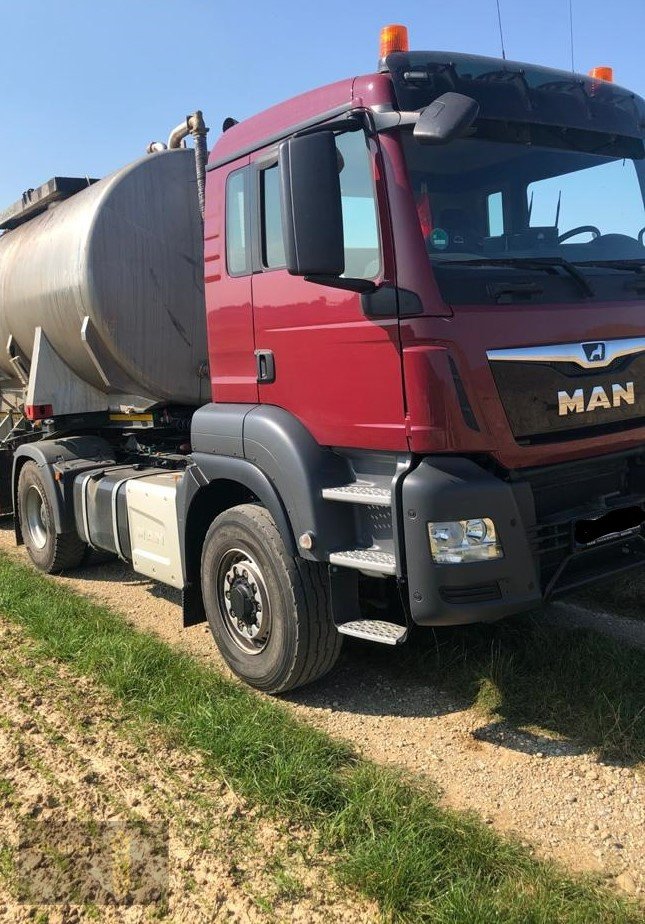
{"type": "Point", "coordinates": [464, 541]}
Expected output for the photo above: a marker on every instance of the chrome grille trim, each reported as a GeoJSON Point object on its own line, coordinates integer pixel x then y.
{"type": "Point", "coordinates": [570, 353]}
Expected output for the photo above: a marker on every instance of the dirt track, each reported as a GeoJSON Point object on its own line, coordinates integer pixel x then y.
{"type": "Point", "coordinates": [95, 812]}
{"type": "Point", "coordinates": [551, 793]}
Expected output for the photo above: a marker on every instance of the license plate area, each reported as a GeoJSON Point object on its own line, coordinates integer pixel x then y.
{"type": "Point", "coordinates": [617, 524]}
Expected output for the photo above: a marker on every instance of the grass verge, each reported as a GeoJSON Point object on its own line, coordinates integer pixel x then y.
{"type": "Point", "coordinates": [577, 683]}
{"type": "Point", "coordinates": [392, 841]}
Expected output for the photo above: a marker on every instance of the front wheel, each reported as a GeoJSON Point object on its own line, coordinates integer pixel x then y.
{"type": "Point", "coordinates": [268, 611]}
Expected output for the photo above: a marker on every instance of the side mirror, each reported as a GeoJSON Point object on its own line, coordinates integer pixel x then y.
{"type": "Point", "coordinates": [447, 118]}
{"type": "Point", "coordinates": [312, 217]}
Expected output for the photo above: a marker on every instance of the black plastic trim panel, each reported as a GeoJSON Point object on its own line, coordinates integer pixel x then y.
{"type": "Point", "coordinates": [449, 488]}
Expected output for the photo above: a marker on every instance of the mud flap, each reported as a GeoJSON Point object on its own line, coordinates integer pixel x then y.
{"type": "Point", "coordinates": [6, 467]}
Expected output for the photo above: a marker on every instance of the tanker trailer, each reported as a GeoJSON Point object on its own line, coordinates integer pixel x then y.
{"type": "Point", "coordinates": [102, 293]}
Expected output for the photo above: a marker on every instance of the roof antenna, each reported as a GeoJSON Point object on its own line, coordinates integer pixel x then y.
{"type": "Point", "coordinates": [571, 34]}
{"type": "Point", "coordinates": [501, 31]}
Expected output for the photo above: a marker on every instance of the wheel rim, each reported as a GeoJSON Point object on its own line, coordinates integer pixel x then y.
{"type": "Point", "coordinates": [36, 517]}
{"type": "Point", "coordinates": [243, 601]}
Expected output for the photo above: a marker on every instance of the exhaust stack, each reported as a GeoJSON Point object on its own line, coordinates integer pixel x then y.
{"type": "Point", "coordinates": [192, 125]}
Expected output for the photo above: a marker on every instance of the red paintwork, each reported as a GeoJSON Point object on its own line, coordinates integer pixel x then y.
{"type": "Point", "coordinates": [255, 129]}
{"type": "Point", "coordinates": [229, 309]}
{"type": "Point", "coordinates": [371, 384]}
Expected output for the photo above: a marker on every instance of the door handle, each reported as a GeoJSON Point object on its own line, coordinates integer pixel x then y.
{"type": "Point", "coordinates": [265, 362]}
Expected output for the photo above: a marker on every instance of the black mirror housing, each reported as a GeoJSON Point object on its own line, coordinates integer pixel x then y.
{"type": "Point", "coordinates": [312, 217]}
{"type": "Point", "coordinates": [447, 118]}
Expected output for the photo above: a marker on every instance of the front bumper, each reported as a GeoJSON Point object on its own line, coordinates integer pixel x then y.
{"type": "Point", "coordinates": [535, 515]}
{"type": "Point", "coordinates": [454, 489]}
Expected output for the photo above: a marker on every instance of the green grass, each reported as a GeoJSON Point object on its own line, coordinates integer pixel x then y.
{"type": "Point", "coordinates": [389, 839]}
{"type": "Point", "coordinates": [577, 683]}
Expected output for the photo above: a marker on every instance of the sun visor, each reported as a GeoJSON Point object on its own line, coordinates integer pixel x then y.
{"type": "Point", "coordinates": [508, 91]}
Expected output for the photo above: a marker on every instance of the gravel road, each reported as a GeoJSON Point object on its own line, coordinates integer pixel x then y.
{"type": "Point", "coordinates": [552, 794]}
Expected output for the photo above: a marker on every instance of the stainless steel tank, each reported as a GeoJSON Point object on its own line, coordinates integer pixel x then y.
{"type": "Point", "coordinates": [121, 261]}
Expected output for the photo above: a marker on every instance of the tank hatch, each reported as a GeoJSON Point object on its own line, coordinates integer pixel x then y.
{"type": "Point", "coordinates": [34, 201]}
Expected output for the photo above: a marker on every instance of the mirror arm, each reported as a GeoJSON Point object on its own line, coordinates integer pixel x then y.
{"type": "Point", "coordinates": [388, 119]}
{"type": "Point", "coordinates": [344, 282]}
{"type": "Point", "coordinates": [348, 123]}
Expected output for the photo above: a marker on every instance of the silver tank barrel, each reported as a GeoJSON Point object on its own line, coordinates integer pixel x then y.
{"type": "Point", "coordinates": [127, 254]}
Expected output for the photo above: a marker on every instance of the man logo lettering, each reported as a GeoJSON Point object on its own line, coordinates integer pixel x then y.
{"type": "Point", "coordinates": [578, 403]}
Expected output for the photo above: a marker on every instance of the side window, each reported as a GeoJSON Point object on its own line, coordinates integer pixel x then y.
{"type": "Point", "coordinates": [360, 223]}
{"type": "Point", "coordinates": [237, 245]}
{"type": "Point", "coordinates": [495, 205]}
{"type": "Point", "coordinates": [272, 243]}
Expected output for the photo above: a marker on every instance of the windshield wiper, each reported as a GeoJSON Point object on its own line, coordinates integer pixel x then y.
{"type": "Point", "coordinates": [539, 263]}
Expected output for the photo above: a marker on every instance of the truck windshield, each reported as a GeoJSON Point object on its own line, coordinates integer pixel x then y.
{"type": "Point", "coordinates": [483, 200]}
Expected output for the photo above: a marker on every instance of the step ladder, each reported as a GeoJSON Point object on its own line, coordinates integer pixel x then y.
{"type": "Point", "coordinates": [375, 492]}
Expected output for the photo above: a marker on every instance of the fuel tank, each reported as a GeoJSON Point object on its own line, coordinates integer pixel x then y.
{"type": "Point", "coordinates": [114, 277]}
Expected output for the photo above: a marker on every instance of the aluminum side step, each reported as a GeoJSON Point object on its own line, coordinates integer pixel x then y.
{"type": "Point", "coordinates": [360, 492]}
{"type": "Point", "coordinates": [375, 630]}
{"type": "Point", "coordinates": [373, 560]}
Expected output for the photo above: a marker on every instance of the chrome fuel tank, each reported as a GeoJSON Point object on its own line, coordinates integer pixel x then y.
{"type": "Point", "coordinates": [114, 276]}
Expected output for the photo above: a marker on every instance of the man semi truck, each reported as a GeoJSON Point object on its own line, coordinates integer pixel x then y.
{"type": "Point", "coordinates": [374, 362]}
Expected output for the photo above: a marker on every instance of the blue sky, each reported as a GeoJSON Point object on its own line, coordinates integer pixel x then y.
{"type": "Point", "coordinates": [85, 85]}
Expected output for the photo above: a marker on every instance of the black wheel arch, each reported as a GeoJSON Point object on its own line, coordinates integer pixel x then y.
{"type": "Point", "coordinates": [47, 454]}
{"type": "Point", "coordinates": [211, 485]}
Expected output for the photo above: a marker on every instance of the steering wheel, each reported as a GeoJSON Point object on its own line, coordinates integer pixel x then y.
{"type": "Point", "coordinates": [641, 237]}
{"type": "Point", "coordinates": [592, 229]}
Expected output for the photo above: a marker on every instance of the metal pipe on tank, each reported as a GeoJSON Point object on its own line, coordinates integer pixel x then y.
{"type": "Point", "coordinates": [194, 125]}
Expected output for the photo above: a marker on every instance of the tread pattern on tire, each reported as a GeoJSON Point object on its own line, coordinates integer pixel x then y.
{"type": "Point", "coordinates": [318, 642]}
{"type": "Point", "coordinates": [69, 552]}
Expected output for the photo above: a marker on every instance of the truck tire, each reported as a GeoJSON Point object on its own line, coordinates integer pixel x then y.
{"type": "Point", "coordinates": [268, 611]}
{"type": "Point", "coordinates": [50, 551]}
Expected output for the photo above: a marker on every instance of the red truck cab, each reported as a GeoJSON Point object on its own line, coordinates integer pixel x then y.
{"type": "Point", "coordinates": [494, 342]}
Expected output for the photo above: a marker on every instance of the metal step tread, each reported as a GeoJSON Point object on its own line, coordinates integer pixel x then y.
{"type": "Point", "coordinates": [359, 492]}
{"type": "Point", "coordinates": [375, 630]}
{"type": "Point", "coordinates": [365, 560]}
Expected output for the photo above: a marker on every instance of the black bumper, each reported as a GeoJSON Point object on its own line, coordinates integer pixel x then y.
{"type": "Point", "coordinates": [535, 514]}
{"type": "Point", "coordinates": [441, 489]}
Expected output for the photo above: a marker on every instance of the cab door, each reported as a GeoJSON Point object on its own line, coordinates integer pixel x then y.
{"type": "Point", "coordinates": [228, 274]}
{"type": "Point", "coordinates": [320, 357]}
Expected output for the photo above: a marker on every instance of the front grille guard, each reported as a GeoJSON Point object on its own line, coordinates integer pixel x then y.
{"type": "Point", "coordinates": [626, 553]}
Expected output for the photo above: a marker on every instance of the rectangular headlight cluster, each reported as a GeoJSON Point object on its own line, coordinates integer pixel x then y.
{"type": "Point", "coordinates": [460, 541]}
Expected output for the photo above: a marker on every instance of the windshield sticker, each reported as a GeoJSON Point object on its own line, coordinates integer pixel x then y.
{"type": "Point", "coordinates": [439, 239]}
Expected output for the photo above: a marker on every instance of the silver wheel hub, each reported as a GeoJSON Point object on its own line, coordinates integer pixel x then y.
{"type": "Point", "coordinates": [244, 601]}
{"type": "Point", "coordinates": [36, 517]}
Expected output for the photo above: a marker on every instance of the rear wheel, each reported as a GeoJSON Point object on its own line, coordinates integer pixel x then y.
{"type": "Point", "coordinates": [268, 611]}
{"type": "Point", "coordinates": [50, 551]}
